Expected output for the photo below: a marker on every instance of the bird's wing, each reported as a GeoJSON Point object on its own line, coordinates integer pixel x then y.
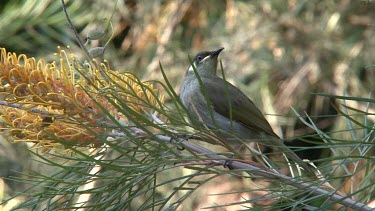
{"type": "Point", "coordinates": [243, 109]}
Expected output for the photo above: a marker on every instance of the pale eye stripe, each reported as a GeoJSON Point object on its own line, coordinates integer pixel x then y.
{"type": "Point", "coordinates": [206, 58]}
{"type": "Point", "coordinates": [191, 68]}
{"type": "Point", "coordinates": [195, 64]}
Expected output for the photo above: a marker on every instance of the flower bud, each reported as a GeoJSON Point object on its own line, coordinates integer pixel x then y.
{"type": "Point", "coordinates": [95, 34]}
{"type": "Point", "coordinates": [96, 52]}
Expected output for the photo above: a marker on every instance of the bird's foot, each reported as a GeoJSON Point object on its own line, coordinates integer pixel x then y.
{"type": "Point", "coordinates": [228, 163]}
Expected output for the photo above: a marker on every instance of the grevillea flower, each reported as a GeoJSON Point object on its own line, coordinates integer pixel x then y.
{"type": "Point", "coordinates": [66, 99]}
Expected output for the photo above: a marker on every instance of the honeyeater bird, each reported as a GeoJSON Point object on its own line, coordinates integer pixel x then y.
{"type": "Point", "coordinates": [216, 104]}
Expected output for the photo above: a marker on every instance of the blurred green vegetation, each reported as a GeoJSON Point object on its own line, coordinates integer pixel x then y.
{"type": "Point", "coordinates": [278, 52]}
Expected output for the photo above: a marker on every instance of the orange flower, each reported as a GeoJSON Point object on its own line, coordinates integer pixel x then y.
{"type": "Point", "coordinates": [65, 98]}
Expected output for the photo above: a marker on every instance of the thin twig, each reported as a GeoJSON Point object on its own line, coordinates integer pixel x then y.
{"type": "Point", "coordinates": [24, 107]}
{"type": "Point", "coordinates": [75, 32]}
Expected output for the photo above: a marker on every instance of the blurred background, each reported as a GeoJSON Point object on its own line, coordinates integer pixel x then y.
{"type": "Point", "coordinates": [278, 52]}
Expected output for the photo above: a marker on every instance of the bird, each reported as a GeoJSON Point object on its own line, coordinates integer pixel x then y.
{"type": "Point", "coordinates": [218, 105]}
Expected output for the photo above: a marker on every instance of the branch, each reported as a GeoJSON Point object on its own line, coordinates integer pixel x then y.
{"type": "Point", "coordinates": [256, 169]}
{"type": "Point", "coordinates": [75, 32]}
{"type": "Point", "coordinates": [24, 107]}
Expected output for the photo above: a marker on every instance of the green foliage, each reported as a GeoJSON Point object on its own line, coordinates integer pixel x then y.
{"type": "Point", "coordinates": [32, 26]}
{"type": "Point", "coordinates": [278, 52]}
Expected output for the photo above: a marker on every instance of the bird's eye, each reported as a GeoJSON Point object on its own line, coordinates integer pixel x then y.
{"type": "Point", "coordinates": [199, 58]}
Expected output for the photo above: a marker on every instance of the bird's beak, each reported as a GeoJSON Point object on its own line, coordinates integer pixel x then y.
{"type": "Point", "coordinates": [216, 52]}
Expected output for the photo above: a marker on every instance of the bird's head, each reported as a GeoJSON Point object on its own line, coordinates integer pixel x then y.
{"type": "Point", "coordinates": [205, 63]}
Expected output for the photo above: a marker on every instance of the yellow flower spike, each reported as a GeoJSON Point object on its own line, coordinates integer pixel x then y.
{"type": "Point", "coordinates": [8, 116]}
{"type": "Point", "coordinates": [39, 92]}
{"type": "Point", "coordinates": [30, 63]}
{"type": "Point", "coordinates": [22, 59]}
{"type": "Point", "coordinates": [11, 58]}
{"type": "Point", "coordinates": [66, 68]}
{"type": "Point", "coordinates": [20, 91]}
{"type": "Point", "coordinates": [54, 89]}
{"type": "Point", "coordinates": [35, 75]}
{"type": "Point", "coordinates": [106, 65]}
